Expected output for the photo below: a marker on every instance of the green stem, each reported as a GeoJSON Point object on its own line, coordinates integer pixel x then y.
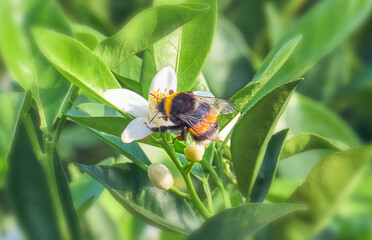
{"type": "Point", "coordinates": [179, 192]}
{"type": "Point", "coordinates": [186, 176]}
{"type": "Point", "coordinates": [47, 162]}
{"type": "Point", "coordinates": [208, 193]}
{"type": "Point", "coordinates": [219, 166]}
{"type": "Point", "coordinates": [224, 193]}
{"type": "Point", "coordinates": [74, 94]}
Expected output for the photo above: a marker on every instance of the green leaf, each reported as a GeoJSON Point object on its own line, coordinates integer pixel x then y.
{"type": "Point", "coordinates": [76, 62]}
{"type": "Point", "coordinates": [131, 150]}
{"type": "Point", "coordinates": [243, 99]}
{"type": "Point", "coordinates": [99, 117]}
{"type": "Point", "coordinates": [304, 115]}
{"type": "Point", "coordinates": [305, 142]}
{"type": "Point", "coordinates": [144, 29]}
{"type": "Point", "coordinates": [129, 73]}
{"type": "Point", "coordinates": [268, 168]}
{"type": "Point", "coordinates": [243, 221]}
{"type": "Point", "coordinates": [86, 190]}
{"type": "Point", "coordinates": [252, 133]}
{"type": "Point", "coordinates": [29, 192]}
{"type": "Point", "coordinates": [331, 28]}
{"type": "Point", "coordinates": [201, 84]}
{"type": "Point", "coordinates": [185, 50]}
{"type": "Point", "coordinates": [11, 105]}
{"type": "Point", "coordinates": [87, 35]}
{"type": "Point", "coordinates": [66, 200]}
{"type": "Point", "coordinates": [131, 187]}
{"type": "Point", "coordinates": [329, 183]}
{"type": "Point", "coordinates": [25, 62]}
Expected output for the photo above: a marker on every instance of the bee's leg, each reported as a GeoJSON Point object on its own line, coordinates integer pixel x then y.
{"type": "Point", "coordinates": [184, 132]}
{"type": "Point", "coordinates": [153, 129]}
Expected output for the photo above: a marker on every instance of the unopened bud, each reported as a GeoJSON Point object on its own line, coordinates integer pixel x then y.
{"type": "Point", "coordinates": [160, 176]}
{"type": "Point", "coordinates": [194, 152]}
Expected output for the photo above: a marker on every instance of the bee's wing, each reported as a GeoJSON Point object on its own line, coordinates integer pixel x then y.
{"type": "Point", "coordinates": [220, 105]}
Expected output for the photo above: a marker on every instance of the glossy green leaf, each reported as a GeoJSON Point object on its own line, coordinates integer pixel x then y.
{"type": "Point", "coordinates": [242, 222]}
{"type": "Point", "coordinates": [269, 165]}
{"type": "Point", "coordinates": [144, 29]}
{"type": "Point", "coordinates": [252, 133]}
{"type": "Point", "coordinates": [131, 187]}
{"type": "Point", "coordinates": [201, 84]}
{"type": "Point", "coordinates": [304, 115]}
{"type": "Point", "coordinates": [76, 62]}
{"type": "Point", "coordinates": [131, 150]}
{"type": "Point", "coordinates": [99, 117]}
{"type": "Point", "coordinates": [331, 28]}
{"type": "Point", "coordinates": [11, 105]}
{"type": "Point", "coordinates": [326, 187]}
{"type": "Point", "coordinates": [185, 49]}
{"type": "Point", "coordinates": [305, 142]}
{"type": "Point", "coordinates": [87, 35]}
{"type": "Point", "coordinates": [243, 99]}
{"type": "Point", "coordinates": [129, 73]}
{"type": "Point", "coordinates": [25, 62]}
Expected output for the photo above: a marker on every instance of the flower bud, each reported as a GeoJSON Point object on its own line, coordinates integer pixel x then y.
{"type": "Point", "coordinates": [160, 176]}
{"type": "Point", "coordinates": [194, 152]}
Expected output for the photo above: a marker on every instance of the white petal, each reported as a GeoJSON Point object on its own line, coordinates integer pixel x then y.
{"type": "Point", "coordinates": [203, 94]}
{"type": "Point", "coordinates": [128, 102]}
{"type": "Point", "coordinates": [136, 130]}
{"type": "Point", "coordinates": [164, 80]}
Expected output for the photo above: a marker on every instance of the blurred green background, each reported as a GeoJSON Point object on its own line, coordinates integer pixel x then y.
{"type": "Point", "coordinates": [338, 87]}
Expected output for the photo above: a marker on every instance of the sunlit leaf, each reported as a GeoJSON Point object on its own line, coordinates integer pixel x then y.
{"type": "Point", "coordinates": [87, 35]}
{"type": "Point", "coordinates": [252, 133]}
{"type": "Point", "coordinates": [185, 50]}
{"type": "Point", "coordinates": [144, 29]}
{"type": "Point", "coordinates": [76, 62]}
{"type": "Point", "coordinates": [25, 62]}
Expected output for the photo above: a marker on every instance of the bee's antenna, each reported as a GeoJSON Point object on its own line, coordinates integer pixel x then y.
{"type": "Point", "coordinates": [153, 116]}
{"type": "Point", "coordinates": [157, 99]}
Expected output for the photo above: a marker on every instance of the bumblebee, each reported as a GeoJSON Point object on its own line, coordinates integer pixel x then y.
{"type": "Point", "coordinates": [193, 112]}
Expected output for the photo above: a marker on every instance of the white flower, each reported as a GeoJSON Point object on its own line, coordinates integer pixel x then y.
{"type": "Point", "coordinates": [134, 104]}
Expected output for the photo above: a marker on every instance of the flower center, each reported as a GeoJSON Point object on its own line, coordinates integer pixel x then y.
{"type": "Point", "coordinates": [155, 97]}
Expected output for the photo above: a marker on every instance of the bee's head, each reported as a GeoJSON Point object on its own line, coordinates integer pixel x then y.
{"type": "Point", "coordinates": [160, 106]}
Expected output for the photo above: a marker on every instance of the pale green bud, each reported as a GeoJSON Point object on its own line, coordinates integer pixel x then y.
{"type": "Point", "coordinates": [160, 176]}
